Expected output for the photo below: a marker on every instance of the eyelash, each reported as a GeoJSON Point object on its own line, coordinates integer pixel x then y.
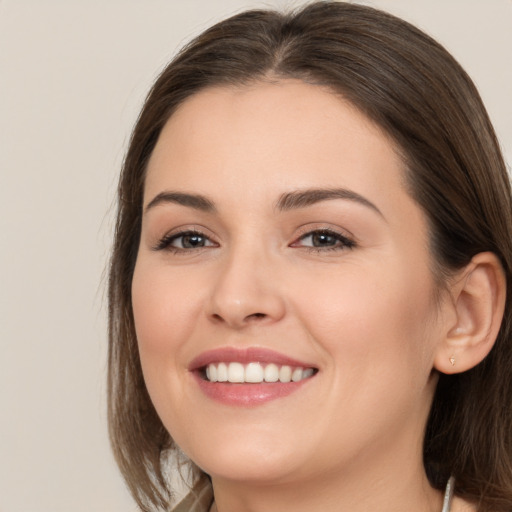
{"type": "Point", "coordinates": [166, 242]}
{"type": "Point", "coordinates": [341, 241]}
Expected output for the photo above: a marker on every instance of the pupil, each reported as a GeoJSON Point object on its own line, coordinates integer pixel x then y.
{"type": "Point", "coordinates": [192, 241]}
{"type": "Point", "coordinates": [320, 239]}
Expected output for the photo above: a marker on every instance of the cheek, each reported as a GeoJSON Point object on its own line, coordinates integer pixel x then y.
{"type": "Point", "coordinates": [377, 335]}
{"type": "Point", "coordinates": [372, 320]}
{"type": "Point", "coordinates": [163, 305]}
{"type": "Point", "coordinates": [165, 308]}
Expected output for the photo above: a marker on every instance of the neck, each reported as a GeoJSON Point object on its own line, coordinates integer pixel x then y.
{"type": "Point", "coordinates": [403, 491]}
{"type": "Point", "coordinates": [410, 493]}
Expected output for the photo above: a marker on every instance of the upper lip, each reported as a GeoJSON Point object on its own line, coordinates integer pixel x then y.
{"type": "Point", "coordinates": [244, 356]}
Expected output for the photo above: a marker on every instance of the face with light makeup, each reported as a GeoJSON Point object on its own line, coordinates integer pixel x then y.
{"type": "Point", "coordinates": [277, 221]}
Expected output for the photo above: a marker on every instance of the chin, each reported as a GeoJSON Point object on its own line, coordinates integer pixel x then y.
{"type": "Point", "coordinates": [257, 470]}
{"type": "Point", "coordinates": [245, 457]}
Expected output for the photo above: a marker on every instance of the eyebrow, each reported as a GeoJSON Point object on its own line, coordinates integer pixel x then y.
{"type": "Point", "coordinates": [286, 202]}
{"type": "Point", "coordinates": [195, 201]}
{"type": "Point", "coordinates": [308, 197]}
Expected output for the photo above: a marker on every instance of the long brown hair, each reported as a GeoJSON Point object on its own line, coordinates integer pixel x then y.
{"type": "Point", "coordinates": [419, 95]}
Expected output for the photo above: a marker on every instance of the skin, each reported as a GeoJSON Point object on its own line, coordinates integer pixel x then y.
{"type": "Point", "coordinates": [364, 316]}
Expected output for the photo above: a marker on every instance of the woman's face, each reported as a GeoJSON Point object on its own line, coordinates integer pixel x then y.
{"type": "Point", "coordinates": [277, 236]}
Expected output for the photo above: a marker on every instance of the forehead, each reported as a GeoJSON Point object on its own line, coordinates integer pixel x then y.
{"type": "Point", "coordinates": [292, 132]}
{"type": "Point", "coordinates": [267, 121]}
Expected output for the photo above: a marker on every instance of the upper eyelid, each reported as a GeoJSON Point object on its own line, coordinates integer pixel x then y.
{"type": "Point", "coordinates": [345, 239]}
{"type": "Point", "coordinates": [182, 234]}
{"type": "Point", "coordinates": [320, 226]}
{"type": "Point", "coordinates": [301, 232]}
{"type": "Point", "coordinates": [340, 236]}
{"type": "Point", "coordinates": [188, 228]}
{"type": "Point", "coordinates": [165, 241]}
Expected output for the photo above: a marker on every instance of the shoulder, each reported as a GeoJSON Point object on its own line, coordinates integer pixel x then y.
{"type": "Point", "coordinates": [199, 499]}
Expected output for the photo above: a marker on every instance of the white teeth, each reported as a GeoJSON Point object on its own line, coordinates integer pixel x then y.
{"type": "Point", "coordinates": [271, 373]}
{"type": "Point", "coordinates": [211, 373]}
{"type": "Point", "coordinates": [308, 372]}
{"type": "Point", "coordinates": [297, 374]}
{"type": "Point", "coordinates": [255, 373]}
{"type": "Point", "coordinates": [236, 372]}
{"type": "Point", "coordinates": [285, 374]}
{"type": "Point", "coordinates": [222, 372]}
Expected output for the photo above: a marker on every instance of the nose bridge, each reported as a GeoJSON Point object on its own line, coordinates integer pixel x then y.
{"type": "Point", "coordinates": [245, 290]}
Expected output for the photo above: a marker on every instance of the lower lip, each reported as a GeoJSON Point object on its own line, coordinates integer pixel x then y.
{"type": "Point", "coordinates": [247, 395]}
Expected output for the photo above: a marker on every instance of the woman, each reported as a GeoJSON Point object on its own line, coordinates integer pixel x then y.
{"type": "Point", "coordinates": [309, 287]}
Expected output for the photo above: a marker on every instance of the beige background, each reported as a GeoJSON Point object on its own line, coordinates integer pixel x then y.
{"type": "Point", "coordinates": [72, 77]}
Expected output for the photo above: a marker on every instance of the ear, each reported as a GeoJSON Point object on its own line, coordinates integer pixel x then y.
{"type": "Point", "coordinates": [478, 301]}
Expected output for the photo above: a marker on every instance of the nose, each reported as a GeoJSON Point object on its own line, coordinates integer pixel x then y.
{"type": "Point", "coordinates": [246, 292]}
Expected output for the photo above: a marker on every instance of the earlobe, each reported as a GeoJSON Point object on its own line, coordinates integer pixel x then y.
{"type": "Point", "coordinates": [478, 301]}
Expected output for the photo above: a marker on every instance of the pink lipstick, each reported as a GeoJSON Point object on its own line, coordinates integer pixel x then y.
{"type": "Point", "coordinates": [249, 377]}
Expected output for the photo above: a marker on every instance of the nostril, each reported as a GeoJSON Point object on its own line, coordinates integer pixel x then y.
{"type": "Point", "coordinates": [247, 319]}
{"type": "Point", "coordinates": [256, 316]}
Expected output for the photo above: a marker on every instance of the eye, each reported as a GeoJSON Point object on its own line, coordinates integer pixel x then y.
{"type": "Point", "coordinates": [324, 239]}
{"type": "Point", "coordinates": [185, 241]}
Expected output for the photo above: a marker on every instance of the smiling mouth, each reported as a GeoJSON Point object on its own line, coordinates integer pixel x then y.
{"type": "Point", "coordinates": [249, 377]}
{"type": "Point", "coordinates": [254, 373]}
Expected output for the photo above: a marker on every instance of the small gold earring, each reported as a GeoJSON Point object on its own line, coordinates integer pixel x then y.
{"type": "Point", "coordinates": [452, 360]}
